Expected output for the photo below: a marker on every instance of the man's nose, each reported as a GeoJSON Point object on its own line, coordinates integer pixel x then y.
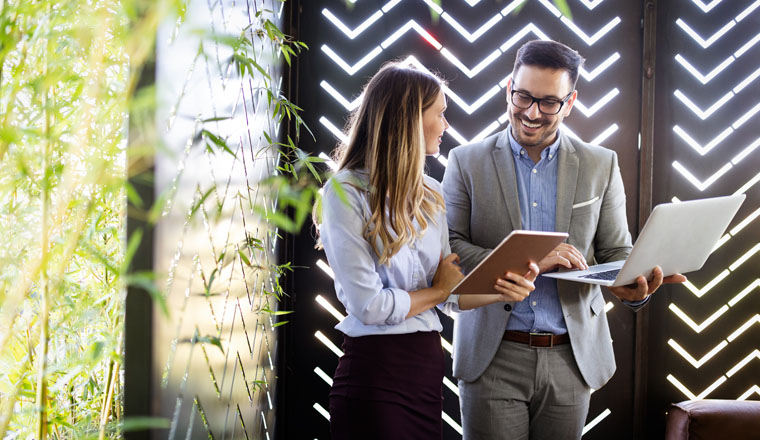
{"type": "Point", "coordinates": [533, 112]}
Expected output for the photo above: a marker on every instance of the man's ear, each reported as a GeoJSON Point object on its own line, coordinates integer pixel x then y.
{"type": "Point", "coordinates": [570, 102]}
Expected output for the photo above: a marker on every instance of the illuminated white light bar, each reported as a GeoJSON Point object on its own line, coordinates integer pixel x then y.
{"type": "Point", "coordinates": [569, 132]}
{"type": "Point", "coordinates": [697, 363]}
{"type": "Point", "coordinates": [704, 79]}
{"type": "Point", "coordinates": [699, 148]}
{"type": "Point", "coordinates": [470, 108]}
{"type": "Point", "coordinates": [447, 345]}
{"type": "Point", "coordinates": [753, 320]}
{"type": "Point", "coordinates": [325, 268]}
{"type": "Point", "coordinates": [694, 326]}
{"type": "Point", "coordinates": [754, 355]}
{"type": "Point", "coordinates": [553, 9]}
{"type": "Point", "coordinates": [749, 392]}
{"type": "Point", "coordinates": [323, 375]}
{"type": "Point", "coordinates": [510, 7]}
{"type": "Point", "coordinates": [706, 7]}
{"type": "Point", "coordinates": [350, 106]}
{"type": "Point", "coordinates": [748, 185]}
{"type": "Point", "coordinates": [691, 395]}
{"type": "Point", "coordinates": [358, 30]}
{"type": "Point", "coordinates": [591, 4]}
{"type": "Point", "coordinates": [702, 42]}
{"type": "Point", "coordinates": [746, 116]}
{"type": "Point", "coordinates": [599, 104]}
{"type": "Point", "coordinates": [699, 112]}
{"type": "Point", "coordinates": [747, 81]}
{"type": "Point", "coordinates": [604, 135]}
{"type": "Point", "coordinates": [589, 76]}
{"type": "Point", "coordinates": [701, 292]}
{"type": "Point", "coordinates": [442, 159]}
{"type": "Point", "coordinates": [596, 421]}
{"type": "Point", "coordinates": [471, 37]}
{"type": "Point", "coordinates": [530, 27]}
{"type": "Point", "coordinates": [329, 307]}
{"type": "Point", "coordinates": [451, 422]}
{"type": "Point", "coordinates": [701, 185]}
{"type": "Point", "coordinates": [755, 284]}
{"type": "Point", "coordinates": [747, 46]}
{"type": "Point", "coordinates": [269, 399]}
{"type": "Point", "coordinates": [594, 38]}
{"type": "Point", "coordinates": [333, 129]}
{"type": "Point", "coordinates": [748, 11]}
{"type": "Point", "coordinates": [388, 6]}
{"type": "Point", "coordinates": [608, 306]}
{"type": "Point", "coordinates": [486, 131]}
{"type": "Point", "coordinates": [744, 257]}
{"type": "Point", "coordinates": [328, 343]}
{"type": "Point", "coordinates": [750, 218]}
{"type": "Point", "coordinates": [411, 24]}
{"type": "Point", "coordinates": [467, 71]}
{"type": "Point", "coordinates": [450, 385]}
{"type": "Point", "coordinates": [458, 137]}
{"type": "Point", "coordinates": [351, 69]}
{"type": "Point", "coordinates": [433, 6]}
{"type": "Point", "coordinates": [333, 166]}
{"type": "Point", "coordinates": [322, 411]}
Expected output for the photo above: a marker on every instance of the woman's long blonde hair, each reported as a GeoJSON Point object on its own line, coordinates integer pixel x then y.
{"type": "Point", "coordinates": [386, 138]}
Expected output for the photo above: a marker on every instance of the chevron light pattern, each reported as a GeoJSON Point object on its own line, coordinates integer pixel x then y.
{"type": "Point", "coordinates": [714, 350]}
{"type": "Point", "coordinates": [470, 42]}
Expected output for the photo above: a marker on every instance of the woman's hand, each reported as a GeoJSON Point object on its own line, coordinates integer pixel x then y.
{"type": "Point", "coordinates": [448, 274]}
{"type": "Point", "coordinates": [565, 256]}
{"type": "Point", "coordinates": [514, 287]}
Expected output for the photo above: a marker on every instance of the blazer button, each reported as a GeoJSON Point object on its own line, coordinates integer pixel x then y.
{"type": "Point", "coordinates": [507, 307]}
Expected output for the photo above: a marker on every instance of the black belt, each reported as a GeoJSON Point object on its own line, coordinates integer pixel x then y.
{"type": "Point", "coordinates": [536, 339]}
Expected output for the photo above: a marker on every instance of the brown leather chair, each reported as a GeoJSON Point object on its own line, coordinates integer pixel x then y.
{"type": "Point", "coordinates": [713, 419]}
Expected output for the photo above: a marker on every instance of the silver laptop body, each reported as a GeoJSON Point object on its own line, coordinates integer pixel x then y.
{"type": "Point", "coordinates": [678, 237]}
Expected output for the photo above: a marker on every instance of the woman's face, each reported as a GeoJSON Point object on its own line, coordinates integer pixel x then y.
{"type": "Point", "coordinates": [434, 124]}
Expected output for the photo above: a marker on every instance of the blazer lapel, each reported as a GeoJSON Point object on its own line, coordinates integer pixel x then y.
{"type": "Point", "coordinates": [505, 170]}
{"type": "Point", "coordinates": [567, 180]}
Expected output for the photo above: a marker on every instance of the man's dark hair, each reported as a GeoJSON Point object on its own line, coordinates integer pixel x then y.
{"type": "Point", "coordinates": [549, 54]}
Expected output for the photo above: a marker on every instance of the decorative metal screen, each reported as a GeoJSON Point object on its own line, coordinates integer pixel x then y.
{"type": "Point", "coordinates": [472, 44]}
{"type": "Point", "coordinates": [705, 333]}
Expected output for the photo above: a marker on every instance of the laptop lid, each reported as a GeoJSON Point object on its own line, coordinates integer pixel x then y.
{"type": "Point", "coordinates": [678, 237]}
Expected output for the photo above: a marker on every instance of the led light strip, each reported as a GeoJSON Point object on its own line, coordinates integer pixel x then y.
{"type": "Point", "coordinates": [596, 421]}
{"type": "Point", "coordinates": [706, 7]}
{"type": "Point", "coordinates": [720, 33]}
{"type": "Point", "coordinates": [755, 354]}
{"type": "Point", "coordinates": [701, 292]}
{"type": "Point", "coordinates": [715, 350]}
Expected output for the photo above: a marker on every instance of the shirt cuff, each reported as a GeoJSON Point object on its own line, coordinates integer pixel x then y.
{"type": "Point", "coordinates": [402, 303]}
{"type": "Point", "coordinates": [636, 304]}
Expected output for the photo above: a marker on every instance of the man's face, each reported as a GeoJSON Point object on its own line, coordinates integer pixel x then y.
{"type": "Point", "coordinates": [530, 127]}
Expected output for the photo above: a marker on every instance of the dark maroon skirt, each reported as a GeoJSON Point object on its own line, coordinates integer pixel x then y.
{"type": "Point", "coordinates": [388, 387]}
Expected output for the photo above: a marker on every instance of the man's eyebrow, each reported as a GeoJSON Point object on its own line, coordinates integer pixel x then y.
{"type": "Point", "coordinates": [545, 97]}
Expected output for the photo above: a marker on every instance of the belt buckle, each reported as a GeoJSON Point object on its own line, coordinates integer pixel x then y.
{"type": "Point", "coordinates": [532, 334]}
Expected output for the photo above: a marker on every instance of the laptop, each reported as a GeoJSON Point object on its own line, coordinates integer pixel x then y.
{"type": "Point", "coordinates": [678, 237]}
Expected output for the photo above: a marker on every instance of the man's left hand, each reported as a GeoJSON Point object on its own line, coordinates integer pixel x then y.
{"type": "Point", "coordinates": [643, 288]}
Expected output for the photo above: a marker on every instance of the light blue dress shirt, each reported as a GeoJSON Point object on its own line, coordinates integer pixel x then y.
{"type": "Point", "coordinates": [376, 296]}
{"type": "Point", "coordinates": [541, 311]}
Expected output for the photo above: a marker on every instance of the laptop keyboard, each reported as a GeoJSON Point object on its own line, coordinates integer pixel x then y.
{"type": "Point", "coordinates": [608, 275]}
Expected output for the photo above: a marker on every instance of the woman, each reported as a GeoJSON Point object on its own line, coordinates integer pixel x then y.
{"type": "Point", "coordinates": [385, 235]}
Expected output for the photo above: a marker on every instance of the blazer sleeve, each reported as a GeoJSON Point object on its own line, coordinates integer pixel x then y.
{"type": "Point", "coordinates": [458, 211]}
{"type": "Point", "coordinates": [612, 239]}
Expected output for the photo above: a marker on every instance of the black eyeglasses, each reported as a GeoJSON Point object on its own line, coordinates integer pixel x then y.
{"type": "Point", "coordinates": [547, 106]}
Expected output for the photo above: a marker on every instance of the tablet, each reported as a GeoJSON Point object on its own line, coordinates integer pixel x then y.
{"type": "Point", "coordinates": [513, 254]}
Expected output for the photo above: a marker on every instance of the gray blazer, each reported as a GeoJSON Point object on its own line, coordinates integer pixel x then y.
{"type": "Point", "coordinates": [482, 207]}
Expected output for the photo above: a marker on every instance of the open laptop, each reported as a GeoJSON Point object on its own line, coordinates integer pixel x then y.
{"type": "Point", "coordinates": [678, 237]}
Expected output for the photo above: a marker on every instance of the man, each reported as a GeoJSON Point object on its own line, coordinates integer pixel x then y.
{"type": "Point", "coordinates": [526, 369]}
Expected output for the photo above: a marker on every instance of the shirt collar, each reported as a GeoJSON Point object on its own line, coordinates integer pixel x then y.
{"type": "Point", "coordinates": [551, 152]}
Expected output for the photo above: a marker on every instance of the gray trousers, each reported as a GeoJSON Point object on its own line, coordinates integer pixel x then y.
{"type": "Point", "coordinates": [526, 393]}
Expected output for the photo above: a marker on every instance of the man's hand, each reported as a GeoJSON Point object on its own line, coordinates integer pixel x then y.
{"type": "Point", "coordinates": [564, 255]}
{"type": "Point", "coordinates": [643, 288]}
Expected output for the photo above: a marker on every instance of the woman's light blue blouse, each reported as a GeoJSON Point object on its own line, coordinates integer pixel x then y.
{"type": "Point", "coordinates": [376, 296]}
